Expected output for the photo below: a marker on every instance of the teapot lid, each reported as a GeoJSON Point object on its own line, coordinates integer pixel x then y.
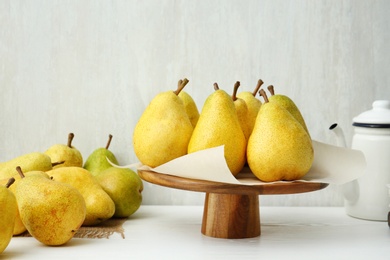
{"type": "Point", "coordinates": [377, 117]}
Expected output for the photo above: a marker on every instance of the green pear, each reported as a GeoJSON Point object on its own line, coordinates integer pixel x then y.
{"type": "Point", "coordinates": [242, 111]}
{"type": "Point", "coordinates": [288, 104]}
{"type": "Point", "coordinates": [124, 187]}
{"type": "Point", "coordinates": [253, 104]}
{"type": "Point", "coordinates": [279, 148]}
{"type": "Point", "coordinates": [51, 211]}
{"type": "Point", "coordinates": [35, 161]}
{"type": "Point", "coordinates": [66, 153]}
{"type": "Point", "coordinates": [163, 130]}
{"type": "Point", "coordinates": [218, 125]}
{"type": "Point", "coordinates": [189, 106]}
{"type": "Point", "coordinates": [19, 227]}
{"type": "Point", "coordinates": [9, 209]}
{"type": "Point", "coordinates": [100, 206]}
{"type": "Point", "coordinates": [97, 160]}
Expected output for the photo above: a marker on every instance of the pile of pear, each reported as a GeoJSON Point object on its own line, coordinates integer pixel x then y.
{"type": "Point", "coordinates": [269, 135]}
{"type": "Point", "coordinates": [52, 194]}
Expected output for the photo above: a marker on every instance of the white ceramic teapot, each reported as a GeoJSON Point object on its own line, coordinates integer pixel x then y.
{"type": "Point", "coordinates": [367, 197]}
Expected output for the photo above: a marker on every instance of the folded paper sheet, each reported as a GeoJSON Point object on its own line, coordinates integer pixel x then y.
{"type": "Point", "coordinates": [332, 164]}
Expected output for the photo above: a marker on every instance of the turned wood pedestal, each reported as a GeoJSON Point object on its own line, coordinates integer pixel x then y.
{"type": "Point", "coordinates": [230, 210]}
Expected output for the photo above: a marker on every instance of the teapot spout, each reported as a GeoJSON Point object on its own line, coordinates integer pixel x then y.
{"type": "Point", "coordinates": [339, 134]}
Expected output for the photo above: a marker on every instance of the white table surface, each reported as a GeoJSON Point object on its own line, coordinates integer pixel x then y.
{"type": "Point", "coordinates": [174, 232]}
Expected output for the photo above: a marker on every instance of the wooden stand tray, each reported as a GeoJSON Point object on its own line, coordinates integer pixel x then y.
{"type": "Point", "coordinates": [230, 210]}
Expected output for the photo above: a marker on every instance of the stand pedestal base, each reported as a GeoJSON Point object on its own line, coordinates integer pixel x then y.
{"type": "Point", "coordinates": [231, 216]}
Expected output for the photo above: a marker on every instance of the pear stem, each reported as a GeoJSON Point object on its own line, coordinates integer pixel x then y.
{"type": "Point", "coordinates": [109, 141]}
{"type": "Point", "coordinates": [70, 139]}
{"type": "Point", "coordinates": [264, 95]}
{"type": "Point", "coordinates": [271, 90]}
{"type": "Point", "coordinates": [57, 163]}
{"type": "Point", "coordinates": [236, 86]}
{"type": "Point", "coordinates": [19, 170]}
{"type": "Point", "coordinates": [259, 83]}
{"type": "Point", "coordinates": [181, 84]}
{"type": "Point", "coordinates": [216, 87]}
{"type": "Point", "coordinates": [10, 182]}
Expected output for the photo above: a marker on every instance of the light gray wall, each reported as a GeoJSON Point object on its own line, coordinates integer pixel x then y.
{"type": "Point", "coordinates": [91, 67]}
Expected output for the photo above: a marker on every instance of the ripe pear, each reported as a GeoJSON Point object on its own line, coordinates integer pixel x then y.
{"type": "Point", "coordinates": [124, 186]}
{"type": "Point", "coordinates": [242, 111]}
{"type": "Point", "coordinates": [100, 206]}
{"type": "Point", "coordinates": [9, 209]}
{"type": "Point", "coordinates": [97, 160]}
{"type": "Point", "coordinates": [66, 153]}
{"type": "Point", "coordinates": [51, 211]}
{"type": "Point", "coordinates": [279, 148]}
{"type": "Point", "coordinates": [288, 104]}
{"type": "Point", "coordinates": [218, 125]}
{"type": "Point", "coordinates": [190, 106]}
{"type": "Point", "coordinates": [19, 227]}
{"type": "Point", "coordinates": [35, 161]}
{"type": "Point", "coordinates": [163, 130]}
{"type": "Point", "coordinates": [253, 104]}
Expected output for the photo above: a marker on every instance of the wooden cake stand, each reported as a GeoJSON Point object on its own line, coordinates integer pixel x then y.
{"type": "Point", "coordinates": [230, 210]}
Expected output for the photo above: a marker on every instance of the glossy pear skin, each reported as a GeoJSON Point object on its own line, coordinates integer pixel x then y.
{"type": "Point", "coordinates": [100, 206]}
{"type": "Point", "coordinates": [190, 107]}
{"type": "Point", "coordinates": [8, 208]}
{"type": "Point", "coordinates": [163, 130]}
{"type": "Point", "coordinates": [279, 148]}
{"type": "Point", "coordinates": [65, 153]}
{"type": "Point", "coordinates": [19, 227]}
{"type": "Point", "coordinates": [253, 106]}
{"type": "Point", "coordinates": [97, 160]}
{"type": "Point", "coordinates": [124, 186]}
{"type": "Point", "coordinates": [290, 106]}
{"type": "Point", "coordinates": [35, 161]}
{"type": "Point", "coordinates": [51, 211]}
{"type": "Point", "coordinates": [243, 116]}
{"type": "Point", "coordinates": [218, 125]}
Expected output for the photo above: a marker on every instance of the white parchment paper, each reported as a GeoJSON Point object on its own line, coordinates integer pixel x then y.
{"type": "Point", "coordinates": [332, 164]}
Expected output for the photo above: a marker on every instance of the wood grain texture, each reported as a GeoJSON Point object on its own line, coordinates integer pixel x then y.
{"type": "Point", "coordinates": [225, 188]}
{"type": "Point", "coordinates": [231, 216]}
{"type": "Point", "coordinates": [230, 210]}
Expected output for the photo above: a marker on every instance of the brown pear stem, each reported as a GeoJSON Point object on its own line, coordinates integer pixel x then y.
{"type": "Point", "coordinates": [259, 83]}
{"type": "Point", "coordinates": [271, 90]}
{"type": "Point", "coordinates": [216, 87]}
{"type": "Point", "coordinates": [236, 86]}
{"type": "Point", "coordinates": [10, 182]}
{"type": "Point", "coordinates": [57, 163]}
{"type": "Point", "coordinates": [19, 170]}
{"type": "Point", "coordinates": [264, 95]}
{"type": "Point", "coordinates": [70, 139]}
{"type": "Point", "coordinates": [109, 141]}
{"type": "Point", "coordinates": [181, 84]}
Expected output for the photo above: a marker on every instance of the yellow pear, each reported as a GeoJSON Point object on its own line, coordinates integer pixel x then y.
{"type": "Point", "coordinates": [288, 104]}
{"type": "Point", "coordinates": [242, 111]}
{"type": "Point", "coordinates": [100, 206]}
{"type": "Point", "coordinates": [190, 106]}
{"type": "Point", "coordinates": [163, 130]}
{"type": "Point", "coordinates": [253, 104]}
{"type": "Point", "coordinates": [35, 161]}
{"type": "Point", "coordinates": [279, 148]}
{"type": "Point", "coordinates": [19, 227]}
{"type": "Point", "coordinates": [51, 211]}
{"type": "Point", "coordinates": [218, 125]}
{"type": "Point", "coordinates": [8, 209]}
{"type": "Point", "coordinates": [66, 153]}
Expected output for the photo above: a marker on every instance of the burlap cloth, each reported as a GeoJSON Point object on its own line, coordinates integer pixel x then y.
{"type": "Point", "coordinates": [104, 230]}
